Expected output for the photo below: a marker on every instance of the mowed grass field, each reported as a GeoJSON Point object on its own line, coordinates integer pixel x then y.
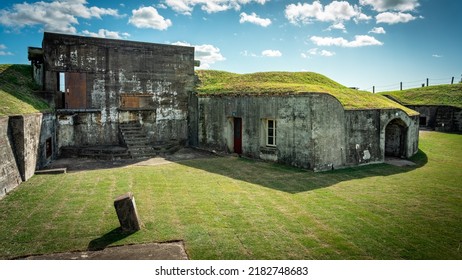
{"type": "Point", "coordinates": [232, 208]}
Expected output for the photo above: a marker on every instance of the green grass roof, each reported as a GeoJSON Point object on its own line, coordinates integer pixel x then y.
{"type": "Point", "coordinates": [432, 95]}
{"type": "Point", "coordinates": [16, 91]}
{"type": "Point", "coordinates": [219, 82]}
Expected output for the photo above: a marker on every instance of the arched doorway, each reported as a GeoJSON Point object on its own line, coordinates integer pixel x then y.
{"type": "Point", "coordinates": [396, 138]}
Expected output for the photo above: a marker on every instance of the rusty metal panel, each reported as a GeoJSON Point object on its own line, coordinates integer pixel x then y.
{"type": "Point", "coordinates": [76, 91]}
{"type": "Point", "coordinates": [130, 101]}
{"type": "Point", "coordinates": [136, 101]}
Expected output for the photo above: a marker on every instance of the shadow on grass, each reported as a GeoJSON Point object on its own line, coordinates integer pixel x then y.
{"type": "Point", "coordinates": [294, 180]}
{"type": "Point", "coordinates": [107, 239]}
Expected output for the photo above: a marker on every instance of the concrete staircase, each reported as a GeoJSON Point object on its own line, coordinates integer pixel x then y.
{"type": "Point", "coordinates": [135, 138]}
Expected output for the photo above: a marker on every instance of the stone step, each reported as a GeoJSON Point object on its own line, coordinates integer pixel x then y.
{"type": "Point", "coordinates": [135, 141]}
{"type": "Point", "coordinates": [134, 136]}
{"type": "Point", "coordinates": [128, 133]}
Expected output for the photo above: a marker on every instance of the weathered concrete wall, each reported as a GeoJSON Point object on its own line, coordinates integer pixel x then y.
{"type": "Point", "coordinates": [363, 137]}
{"type": "Point", "coordinates": [26, 137]}
{"type": "Point", "coordinates": [440, 118]}
{"type": "Point", "coordinates": [366, 134]}
{"type": "Point", "coordinates": [26, 144]}
{"type": "Point", "coordinates": [125, 81]}
{"type": "Point", "coordinates": [47, 151]}
{"type": "Point", "coordinates": [310, 131]}
{"type": "Point", "coordinates": [9, 172]}
{"type": "Point", "coordinates": [313, 130]}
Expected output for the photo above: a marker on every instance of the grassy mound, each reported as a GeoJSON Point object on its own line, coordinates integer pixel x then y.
{"type": "Point", "coordinates": [220, 82]}
{"type": "Point", "coordinates": [432, 95]}
{"type": "Point", "coordinates": [16, 91]}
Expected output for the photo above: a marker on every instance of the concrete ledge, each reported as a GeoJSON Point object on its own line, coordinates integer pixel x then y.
{"type": "Point", "coordinates": [153, 251]}
{"type": "Point", "coordinates": [51, 171]}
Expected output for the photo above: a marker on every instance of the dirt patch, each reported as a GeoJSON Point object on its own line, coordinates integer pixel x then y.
{"type": "Point", "coordinates": [151, 251]}
{"type": "Point", "coordinates": [80, 164]}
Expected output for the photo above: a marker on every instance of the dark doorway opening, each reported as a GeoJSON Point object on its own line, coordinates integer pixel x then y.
{"type": "Point", "coordinates": [48, 147]}
{"type": "Point", "coordinates": [238, 135]}
{"type": "Point", "coordinates": [395, 139]}
{"type": "Point", "coordinates": [423, 121]}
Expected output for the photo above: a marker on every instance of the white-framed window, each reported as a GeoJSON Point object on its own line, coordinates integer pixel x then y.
{"type": "Point", "coordinates": [271, 132]}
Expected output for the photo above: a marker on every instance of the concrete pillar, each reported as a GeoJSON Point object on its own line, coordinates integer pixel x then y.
{"type": "Point", "coordinates": [126, 212]}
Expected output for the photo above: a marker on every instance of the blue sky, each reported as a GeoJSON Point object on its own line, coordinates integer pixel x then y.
{"type": "Point", "coordinates": [360, 43]}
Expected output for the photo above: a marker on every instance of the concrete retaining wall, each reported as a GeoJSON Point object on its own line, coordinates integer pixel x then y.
{"type": "Point", "coordinates": [26, 144]}
{"type": "Point", "coordinates": [9, 171]}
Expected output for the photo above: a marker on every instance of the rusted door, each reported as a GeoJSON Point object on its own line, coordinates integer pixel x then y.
{"type": "Point", "coordinates": [75, 96]}
{"type": "Point", "coordinates": [238, 135]}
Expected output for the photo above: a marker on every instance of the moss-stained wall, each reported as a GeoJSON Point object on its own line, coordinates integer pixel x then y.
{"type": "Point", "coordinates": [309, 127]}
{"type": "Point", "coordinates": [313, 130]}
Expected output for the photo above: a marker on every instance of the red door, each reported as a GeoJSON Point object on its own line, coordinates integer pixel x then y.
{"type": "Point", "coordinates": [238, 135]}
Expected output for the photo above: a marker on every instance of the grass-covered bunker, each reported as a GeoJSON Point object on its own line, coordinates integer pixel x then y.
{"type": "Point", "coordinates": [301, 119]}
{"type": "Point", "coordinates": [140, 95]}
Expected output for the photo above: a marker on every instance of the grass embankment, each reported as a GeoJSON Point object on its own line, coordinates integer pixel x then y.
{"type": "Point", "coordinates": [274, 83]}
{"type": "Point", "coordinates": [433, 95]}
{"type": "Point", "coordinates": [16, 91]}
{"type": "Point", "coordinates": [232, 208]}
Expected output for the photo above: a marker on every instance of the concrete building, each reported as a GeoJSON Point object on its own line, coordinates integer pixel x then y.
{"type": "Point", "coordinates": [442, 118]}
{"type": "Point", "coordinates": [115, 92]}
{"type": "Point", "coordinates": [141, 95]}
{"type": "Point", "coordinates": [310, 130]}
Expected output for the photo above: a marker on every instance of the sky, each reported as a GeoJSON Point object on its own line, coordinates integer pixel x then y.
{"type": "Point", "coordinates": [358, 43]}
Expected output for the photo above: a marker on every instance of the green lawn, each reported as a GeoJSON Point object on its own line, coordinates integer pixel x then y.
{"type": "Point", "coordinates": [433, 95]}
{"type": "Point", "coordinates": [231, 208]}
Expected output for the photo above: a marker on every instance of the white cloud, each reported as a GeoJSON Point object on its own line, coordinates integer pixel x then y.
{"type": "Point", "coordinates": [247, 53]}
{"type": "Point", "coordinates": [393, 18]}
{"type": "Point", "coordinates": [206, 54]}
{"type": "Point", "coordinates": [336, 11]}
{"type": "Point", "coordinates": [148, 17]}
{"type": "Point", "coordinates": [104, 33]}
{"type": "Point", "coordinates": [316, 52]}
{"type": "Point", "coordinates": [57, 16]}
{"type": "Point", "coordinates": [397, 5]}
{"type": "Point", "coordinates": [210, 6]}
{"type": "Point", "coordinates": [3, 52]}
{"type": "Point", "coordinates": [359, 41]}
{"type": "Point", "coordinates": [378, 30]}
{"type": "Point", "coordinates": [326, 53]}
{"type": "Point", "coordinates": [437, 56]}
{"type": "Point", "coordinates": [338, 26]}
{"type": "Point", "coordinates": [271, 53]}
{"type": "Point", "coordinates": [255, 19]}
